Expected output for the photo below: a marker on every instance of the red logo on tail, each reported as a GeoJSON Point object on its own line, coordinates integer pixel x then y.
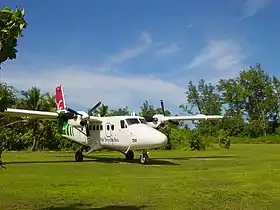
{"type": "Point", "coordinates": [60, 101]}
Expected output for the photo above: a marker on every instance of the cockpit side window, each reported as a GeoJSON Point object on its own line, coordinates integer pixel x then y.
{"type": "Point", "coordinates": [122, 124]}
{"type": "Point", "coordinates": [132, 121]}
{"type": "Point", "coordinates": [143, 121]}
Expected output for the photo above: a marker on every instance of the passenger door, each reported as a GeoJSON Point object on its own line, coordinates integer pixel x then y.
{"type": "Point", "coordinates": [108, 131]}
{"type": "Point", "coordinates": [124, 133]}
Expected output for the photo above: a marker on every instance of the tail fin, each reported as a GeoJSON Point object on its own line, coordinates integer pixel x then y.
{"type": "Point", "coordinates": [60, 100]}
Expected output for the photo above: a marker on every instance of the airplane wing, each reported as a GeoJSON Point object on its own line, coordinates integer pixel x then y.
{"type": "Point", "coordinates": [42, 115]}
{"type": "Point", "coordinates": [193, 117]}
{"type": "Point", "coordinates": [93, 119]}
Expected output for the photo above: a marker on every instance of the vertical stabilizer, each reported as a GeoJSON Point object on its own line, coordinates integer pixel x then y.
{"type": "Point", "coordinates": [60, 100]}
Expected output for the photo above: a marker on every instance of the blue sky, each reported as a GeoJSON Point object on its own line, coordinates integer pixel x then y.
{"type": "Point", "coordinates": [124, 52]}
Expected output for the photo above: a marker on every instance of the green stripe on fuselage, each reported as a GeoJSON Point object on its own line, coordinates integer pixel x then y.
{"type": "Point", "coordinates": [67, 129]}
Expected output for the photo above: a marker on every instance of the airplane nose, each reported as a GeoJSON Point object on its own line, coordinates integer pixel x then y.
{"type": "Point", "coordinates": [158, 138]}
{"type": "Point", "coordinates": [148, 136]}
{"type": "Point", "coordinates": [162, 138]}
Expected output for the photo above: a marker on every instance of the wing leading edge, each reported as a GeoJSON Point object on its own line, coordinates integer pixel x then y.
{"type": "Point", "coordinates": [193, 117]}
{"type": "Point", "coordinates": [42, 115]}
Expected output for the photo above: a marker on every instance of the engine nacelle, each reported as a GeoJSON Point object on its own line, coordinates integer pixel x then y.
{"type": "Point", "coordinates": [84, 115]}
{"type": "Point", "coordinates": [159, 118]}
{"type": "Point", "coordinates": [75, 123]}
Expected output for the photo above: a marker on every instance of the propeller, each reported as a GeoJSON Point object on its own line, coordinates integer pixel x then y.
{"type": "Point", "coordinates": [155, 119]}
{"type": "Point", "coordinates": [94, 108]}
{"type": "Point", "coordinates": [152, 118]}
{"type": "Point", "coordinates": [73, 111]}
{"type": "Point", "coordinates": [163, 111]}
{"type": "Point", "coordinates": [72, 114]}
{"type": "Point", "coordinates": [85, 122]}
{"type": "Point", "coordinates": [162, 107]}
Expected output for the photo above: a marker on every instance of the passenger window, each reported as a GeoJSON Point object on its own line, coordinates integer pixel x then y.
{"type": "Point", "coordinates": [108, 127]}
{"type": "Point", "coordinates": [97, 127]}
{"type": "Point", "coordinates": [122, 124]}
{"type": "Point", "coordinates": [90, 127]}
{"type": "Point", "coordinates": [112, 127]}
{"type": "Point", "coordinates": [101, 127]}
{"type": "Point", "coordinates": [93, 127]}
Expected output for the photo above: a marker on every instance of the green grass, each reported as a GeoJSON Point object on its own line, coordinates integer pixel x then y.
{"type": "Point", "coordinates": [244, 177]}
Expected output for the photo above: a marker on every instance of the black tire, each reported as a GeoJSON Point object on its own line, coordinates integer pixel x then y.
{"type": "Point", "coordinates": [144, 158]}
{"type": "Point", "coordinates": [129, 155]}
{"type": "Point", "coordinates": [79, 156]}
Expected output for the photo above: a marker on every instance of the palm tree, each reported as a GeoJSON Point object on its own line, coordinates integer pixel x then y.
{"type": "Point", "coordinates": [33, 100]}
{"type": "Point", "coordinates": [103, 111]}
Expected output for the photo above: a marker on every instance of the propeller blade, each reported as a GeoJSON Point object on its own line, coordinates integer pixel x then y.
{"type": "Point", "coordinates": [95, 107]}
{"type": "Point", "coordinates": [73, 111]}
{"type": "Point", "coordinates": [162, 107]}
{"type": "Point", "coordinates": [87, 130]}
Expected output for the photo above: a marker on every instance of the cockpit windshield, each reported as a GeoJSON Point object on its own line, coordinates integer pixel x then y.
{"type": "Point", "coordinates": [143, 121]}
{"type": "Point", "coordinates": [132, 121]}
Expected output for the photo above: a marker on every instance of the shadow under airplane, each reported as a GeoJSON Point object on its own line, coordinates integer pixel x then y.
{"type": "Point", "coordinates": [89, 207]}
{"type": "Point", "coordinates": [152, 161]}
{"type": "Point", "coordinates": [109, 160]}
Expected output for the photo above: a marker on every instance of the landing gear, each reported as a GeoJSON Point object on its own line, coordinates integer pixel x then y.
{"type": "Point", "coordinates": [144, 158]}
{"type": "Point", "coordinates": [129, 155]}
{"type": "Point", "coordinates": [79, 157]}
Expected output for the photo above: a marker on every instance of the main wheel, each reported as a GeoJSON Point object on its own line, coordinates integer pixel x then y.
{"type": "Point", "coordinates": [79, 156]}
{"type": "Point", "coordinates": [129, 155]}
{"type": "Point", "coordinates": [144, 158]}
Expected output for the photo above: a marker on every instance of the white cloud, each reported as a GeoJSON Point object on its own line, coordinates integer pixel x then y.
{"type": "Point", "coordinates": [129, 53]}
{"type": "Point", "coordinates": [86, 88]}
{"type": "Point", "coordinates": [168, 49]}
{"type": "Point", "coordinates": [219, 58]}
{"type": "Point", "coordinates": [251, 7]}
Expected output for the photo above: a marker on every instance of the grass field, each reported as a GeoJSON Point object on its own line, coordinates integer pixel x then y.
{"type": "Point", "coordinates": [244, 177]}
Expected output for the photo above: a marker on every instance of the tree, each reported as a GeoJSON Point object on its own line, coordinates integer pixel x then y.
{"type": "Point", "coordinates": [259, 96]}
{"type": "Point", "coordinates": [232, 96]}
{"type": "Point", "coordinates": [7, 96]}
{"type": "Point", "coordinates": [33, 100]}
{"type": "Point", "coordinates": [206, 99]}
{"type": "Point", "coordinates": [119, 112]}
{"type": "Point", "coordinates": [102, 110]}
{"type": "Point", "coordinates": [147, 110]}
{"type": "Point", "coordinates": [276, 87]}
{"type": "Point", "coordinates": [11, 25]}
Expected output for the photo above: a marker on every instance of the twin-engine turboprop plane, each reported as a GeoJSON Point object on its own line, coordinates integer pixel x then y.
{"type": "Point", "coordinates": [121, 133]}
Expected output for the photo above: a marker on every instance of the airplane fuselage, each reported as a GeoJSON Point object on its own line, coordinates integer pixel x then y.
{"type": "Point", "coordinates": [116, 133]}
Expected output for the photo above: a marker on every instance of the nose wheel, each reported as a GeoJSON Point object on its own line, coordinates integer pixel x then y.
{"type": "Point", "coordinates": [144, 158]}
{"type": "Point", "coordinates": [129, 155]}
{"type": "Point", "coordinates": [79, 156]}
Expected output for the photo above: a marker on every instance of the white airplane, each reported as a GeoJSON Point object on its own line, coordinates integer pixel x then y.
{"type": "Point", "coordinates": [120, 133]}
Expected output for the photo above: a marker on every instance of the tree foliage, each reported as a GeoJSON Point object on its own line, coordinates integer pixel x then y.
{"type": "Point", "coordinates": [7, 96]}
{"type": "Point", "coordinates": [11, 25]}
